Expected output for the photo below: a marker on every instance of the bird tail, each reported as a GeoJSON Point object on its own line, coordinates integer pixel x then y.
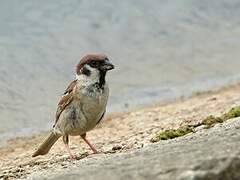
{"type": "Point", "coordinates": [46, 145]}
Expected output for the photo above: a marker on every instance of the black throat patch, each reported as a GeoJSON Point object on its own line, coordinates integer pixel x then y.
{"type": "Point", "coordinates": [102, 79]}
{"type": "Point", "coordinates": [100, 84]}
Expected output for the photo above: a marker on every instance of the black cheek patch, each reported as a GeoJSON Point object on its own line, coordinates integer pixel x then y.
{"type": "Point", "coordinates": [86, 71]}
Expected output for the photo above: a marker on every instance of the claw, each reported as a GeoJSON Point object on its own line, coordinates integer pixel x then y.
{"type": "Point", "coordinates": [71, 155]}
{"type": "Point", "coordinates": [89, 144]}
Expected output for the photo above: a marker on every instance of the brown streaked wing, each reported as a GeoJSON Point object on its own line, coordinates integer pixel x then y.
{"type": "Point", "coordinates": [64, 102]}
{"type": "Point", "coordinates": [66, 99]}
{"type": "Point", "coordinates": [70, 87]}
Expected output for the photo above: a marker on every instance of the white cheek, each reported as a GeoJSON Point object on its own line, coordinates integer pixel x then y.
{"type": "Point", "coordinates": [93, 78]}
{"type": "Point", "coordinates": [78, 77]}
{"type": "Point", "coordinates": [94, 72]}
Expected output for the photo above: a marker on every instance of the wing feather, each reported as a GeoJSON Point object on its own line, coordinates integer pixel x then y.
{"type": "Point", "coordinates": [66, 99]}
{"type": "Point", "coordinates": [70, 87]}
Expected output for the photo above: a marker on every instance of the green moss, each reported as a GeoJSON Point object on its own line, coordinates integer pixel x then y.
{"type": "Point", "coordinates": [173, 133]}
{"type": "Point", "coordinates": [233, 113]}
{"type": "Point", "coordinates": [208, 121]}
{"type": "Point", "coordinates": [212, 120]}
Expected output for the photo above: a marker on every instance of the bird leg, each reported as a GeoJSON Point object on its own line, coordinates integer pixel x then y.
{"type": "Point", "coordinates": [89, 144]}
{"type": "Point", "coordinates": [66, 141]}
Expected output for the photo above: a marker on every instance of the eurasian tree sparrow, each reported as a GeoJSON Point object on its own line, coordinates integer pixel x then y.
{"type": "Point", "coordinates": [83, 104]}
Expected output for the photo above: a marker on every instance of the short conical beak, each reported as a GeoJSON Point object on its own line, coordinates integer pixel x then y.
{"type": "Point", "coordinates": [107, 66]}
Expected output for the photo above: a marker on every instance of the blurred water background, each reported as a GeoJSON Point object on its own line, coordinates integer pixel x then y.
{"type": "Point", "coordinates": [162, 50]}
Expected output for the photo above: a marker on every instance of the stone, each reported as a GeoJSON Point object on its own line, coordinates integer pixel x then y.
{"type": "Point", "coordinates": [206, 154]}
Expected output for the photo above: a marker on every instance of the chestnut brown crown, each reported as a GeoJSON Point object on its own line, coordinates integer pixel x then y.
{"type": "Point", "coordinates": [94, 58]}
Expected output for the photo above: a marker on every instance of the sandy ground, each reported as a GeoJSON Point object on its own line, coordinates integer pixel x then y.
{"type": "Point", "coordinates": [123, 132]}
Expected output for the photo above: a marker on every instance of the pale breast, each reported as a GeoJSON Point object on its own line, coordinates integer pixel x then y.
{"type": "Point", "coordinates": [94, 105]}
{"type": "Point", "coordinates": [84, 112]}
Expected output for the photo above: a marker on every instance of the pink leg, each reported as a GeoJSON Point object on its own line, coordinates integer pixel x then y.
{"type": "Point", "coordinates": [72, 156]}
{"type": "Point", "coordinates": [66, 141]}
{"type": "Point", "coordinates": [89, 144]}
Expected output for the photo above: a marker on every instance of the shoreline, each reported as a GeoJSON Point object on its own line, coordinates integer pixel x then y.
{"type": "Point", "coordinates": [215, 87]}
{"type": "Point", "coordinates": [119, 132]}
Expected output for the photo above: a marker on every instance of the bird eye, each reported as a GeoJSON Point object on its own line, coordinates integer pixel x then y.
{"type": "Point", "coordinates": [93, 63]}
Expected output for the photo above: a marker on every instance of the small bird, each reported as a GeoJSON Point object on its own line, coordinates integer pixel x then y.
{"type": "Point", "coordinates": [82, 105]}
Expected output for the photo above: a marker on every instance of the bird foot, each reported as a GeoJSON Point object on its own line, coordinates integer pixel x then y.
{"type": "Point", "coordinates": [73, 157]}
{"type": "Point", "coordinates": [95, 151]}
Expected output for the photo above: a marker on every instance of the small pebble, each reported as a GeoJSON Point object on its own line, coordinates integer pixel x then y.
{"type": "Point", "coordinates": [116, 148]}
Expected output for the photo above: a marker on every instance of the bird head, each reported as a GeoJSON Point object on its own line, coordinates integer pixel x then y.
{"type": "Point", "coordinates": [93, 67]}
